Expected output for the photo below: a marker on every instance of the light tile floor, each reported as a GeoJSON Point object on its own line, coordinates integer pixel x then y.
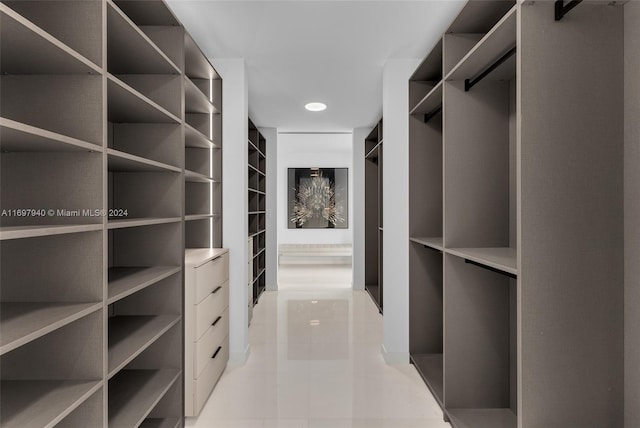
{"type": "Point", "coordinates": [316, 363]}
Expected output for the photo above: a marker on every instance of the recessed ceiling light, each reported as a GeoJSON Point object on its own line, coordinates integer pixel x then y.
{"type": "Point", "coordinates": [315, 106]}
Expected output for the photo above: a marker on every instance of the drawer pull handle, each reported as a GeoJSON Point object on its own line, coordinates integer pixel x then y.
{"type": "Point", "coordinates": [217, 350]}
{"type": "Point", "coordinates": [217, 289]}
{"type": "Point", "coordinates": [217, 319]}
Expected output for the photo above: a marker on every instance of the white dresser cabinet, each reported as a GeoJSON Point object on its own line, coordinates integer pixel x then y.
{"type": "Point", "coordinates": [206, 323]}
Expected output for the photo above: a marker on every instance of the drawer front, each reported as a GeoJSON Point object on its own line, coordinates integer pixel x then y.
{"type": "Point", "coordinates": [211, 373]}
{"type": "Point", "coordinates": [210, 275]}
{"type": "Point", "coordinates": [209, 342]}
{"type": "Point", "coordinates": [211, 308]}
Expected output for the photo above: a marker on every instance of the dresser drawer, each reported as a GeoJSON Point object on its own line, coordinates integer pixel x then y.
{"type": "Point", "coordinates": [211, 373]}
{"type": "Point", "coordinates": [209, 342]}
{"type": "Point", "coordinates": [210, 275]}
{"type": "Point", "coordinates": [211, 308]}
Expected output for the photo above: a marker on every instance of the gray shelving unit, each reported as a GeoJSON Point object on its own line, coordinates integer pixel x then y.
{"type": "Point", "coordinates": [373, 219]}
{"type": "Point", "coordinates": [110, 120]}
{"type": "Point", "coordinates": [257, 207]}
{"type": "Point", "coordinates": [515, 159]}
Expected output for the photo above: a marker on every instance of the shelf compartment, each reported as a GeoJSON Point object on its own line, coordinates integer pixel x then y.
{"type": "Point", "coordinates": [125, 162]}
{"type": "Point", "coordinates": [195, 138]}
{"type": "Point", "coordinates": [131, 335]}
{"type": "Point", "coordinates": [163, 90]}
{"type": "Point", "coordinates": [502, 259]}
{"type": "Point", "coordinates": [124, 281]}
{"type": "Point", "coordinates": [482, 418]}
{"type": "Point", "coordinates": [130, 50]}
{"type": "Point", "coordinates": [430, 367]}
{"type": "Point", "coordinates": [20, 232]}
{"type": "Point", "coordinates": [65, 104]}
{"type": "Point", "coordinates": [195, 100]}
{"type": "Point", "coordinates": [435, 243]}
{"type": "Point", "coordinates": [21, 137]}
{"type": "Point", "coordinates": [157, 142]}
{"type": "Point", "coordinates": [480, 167]}
{"type": "Point", "coordinates": [134, 393]}
{"type": "Point", "coordinates": [23, 322]}
{"type": "Point", "coordinates": [492, 46]}
{"type": "Point", "coordinates": [430, 102]}
{"type": "Point", "coordinates": [207, 125]}
{"type": "Point", "coordinates": [42, 403]}
{"type": "Point", "coordinates": [65, 187]}
{"type": "Point", "coordinates": [88, 414]}
{"type": "Point", "coordinates": [482, 305]}
{"type": "Point", "coordinates": [196, 64]}
{"type": "Point", "coordinates": [145, 195]}
{"type": "Point", "coordinates": [47, 55]}
{"type": "Point", "coordinates": [130, 106]}
{"type": "Point", "coordinates": [198, 198]}
{"type": "Point", "coordinates": [144, 12]}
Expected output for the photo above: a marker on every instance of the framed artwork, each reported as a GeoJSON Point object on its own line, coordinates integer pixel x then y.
{"type": "Point", "coordinates": [318, 198]}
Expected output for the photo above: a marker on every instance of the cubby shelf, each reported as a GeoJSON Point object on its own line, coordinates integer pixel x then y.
{"type": "Point", "coordinates": [130, 50]}
{"type": "Point", "coordinates": [492, 46]}
{"type": "Point", "coordinates": [134, 393]}
{"type": "Point", "coordinates": [482, 418]}
{"type": "Point", "coordinates": [503, 259]}
{"type": "Point", "coordinates": [130, 106]}
{"type": "Point", "coordinates": [23, 322]}
{"type": "Point", "coordinates": [21, 137]}
{"type": "Point", "coordinates": [196, 139]}
{"type": "Point", "coordinates": [18, 232]}
{"type": "Point", "coordinates": [121, 161]}
{"type": "Point", "coordinates": [124, 281]}
{"type": "Point", "coordinates": [435, 243]}
{"type": "Point", "coordinates": [130, 335]}
{"type": "Point", "coordinates": [47, 54]}
{"type": "Point", "coordinates": [42, 403]}
{"type": "Point", "coordinates": [196, 101]}
{"type": "Point", "coordinates": [430, 102]}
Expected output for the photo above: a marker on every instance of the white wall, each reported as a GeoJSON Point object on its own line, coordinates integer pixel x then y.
{"type": "Point", "coordinates": [359, 134]}
{"type": "Point", "coordinates": [234, 209]}
{"type": "Point", "coordinates": [395, 188]}
{"type": "Point", "coordinates": [306, 151]}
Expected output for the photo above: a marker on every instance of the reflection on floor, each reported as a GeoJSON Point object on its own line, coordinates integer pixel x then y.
{"type": "Point", "coordinates": [316, 363]}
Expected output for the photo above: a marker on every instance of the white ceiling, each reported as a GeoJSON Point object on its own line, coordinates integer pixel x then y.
{"type": "Point", "coordinates": [331, 51]}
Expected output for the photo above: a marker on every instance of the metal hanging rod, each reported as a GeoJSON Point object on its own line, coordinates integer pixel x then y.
{"type": "Point", "coordinates": [469, 83]}
{"type": "Point", "coordinates": [492, 269]}
{"type": "Point", "coordinates": [429, 116]}
{"type": "Point", "coordinates": [561, 9]}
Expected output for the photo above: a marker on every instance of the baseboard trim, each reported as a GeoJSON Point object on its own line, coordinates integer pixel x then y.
{"type": "Point", "coordinates": [239, 358]}
{"type": "Point", "coordinates": [394, 358]}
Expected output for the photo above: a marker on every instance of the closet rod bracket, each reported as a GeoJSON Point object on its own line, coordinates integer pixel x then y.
{"type": "Point", "coordinates": [561, 9]}
{"type": "Point", "coordinates": [469, 83]}
{"type": "Point", "coordinates": [492, 269]}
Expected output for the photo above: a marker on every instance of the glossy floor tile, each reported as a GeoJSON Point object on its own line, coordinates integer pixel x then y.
{"type": "Point", "coordinates": [316, 363]}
